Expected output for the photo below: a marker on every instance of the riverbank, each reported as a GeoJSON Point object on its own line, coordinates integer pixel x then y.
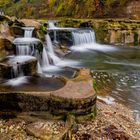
{"type": "Point", "coordinates": [112, 122]}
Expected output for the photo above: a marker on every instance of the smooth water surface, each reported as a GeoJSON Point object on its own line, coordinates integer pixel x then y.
{"type": "Point", "coordinates": [115, 69]}
{"type": "Point", "coordinates": [31, 84]}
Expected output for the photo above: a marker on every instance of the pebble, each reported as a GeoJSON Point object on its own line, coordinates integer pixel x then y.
{"type": "Point", "coordinates": [2, 130]}
{"type": "Point", "coordinates": [11, 127]}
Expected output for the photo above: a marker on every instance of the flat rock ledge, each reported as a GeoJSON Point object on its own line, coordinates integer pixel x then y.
{"type": "Point", "coordinates": [76, 98]}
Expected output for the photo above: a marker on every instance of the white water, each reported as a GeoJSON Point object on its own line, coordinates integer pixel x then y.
{"type": "Point", "coordinates": [26, 40]}
{"type": "Point", "coordinates": [81, 37]}
{"type": "Point", "coordinates": [85, 40]}
{"type": "Point", "coordinates": [23, 49]}
{"type": "Point", "coordinates": [16, 62]}
{"type": "Point", "coordinates": [93, 46]}
{"type": "Point", "coordinates": [27, 46]}
{"type": "Point", "coordinates": [20, 59]}
{"type": "Point", "coordinates": [39, 70]}
{"type": "Point", "coordinates": [16, 71]}
{"type": "Point", "coordinates": [51, 25]}
{"type": "Point", "coordinates": [16, 81]}
{"type": "Point", "coordinates": [107, 99]}
{"type": "Point", "coordinates": [28, 31]}
{"type": "Point", "coordinates": [45, 59]}
{"type": "Point", "coordinates": [55, 59]}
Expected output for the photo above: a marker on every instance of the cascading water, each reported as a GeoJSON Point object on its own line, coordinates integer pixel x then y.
{"type": "Point", "coordinates": [55, 59]}
{"type": "Point", "coordinates": [16, 63]}
{"type": "Point", "coordinates": [27, 46]}
{"type": "Point", "coordinates": [81, 37]}
{"type": "Point", "coordinates": [45, 60]}
{"type": "Point", "coordinates": [22, 49]}
{"type": "Point", "coordinates": [28, 31]}
{"type": "Point", "coordinates": [84, 40]}
{"type": "Point", "coordinates": [51, 25]}
{"type": "Point", "coordinates": [16, 71]}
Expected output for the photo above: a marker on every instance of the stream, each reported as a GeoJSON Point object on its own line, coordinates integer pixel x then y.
{"type": "Point", "coordinates": [116, 71]}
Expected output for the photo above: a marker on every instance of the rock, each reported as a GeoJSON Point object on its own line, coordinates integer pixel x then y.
{"type": "Point", "coordinates": [4, 30]}
{"type": "Point", "coordinates": [5, 47]}
{"type": "Point", "coordinates": [29, 67]}
{"type": "Point", "coordinates": [111, 132]}
{"type": "Point", "coordinates": [30, 23]}
{"type": "Point", "coordinates": [44, 130]}
{"type": "Point", "coordinates": [2, 130]}
{"type": "Point", "coordinates": [77, 97]}
{"type": "Point", "coordinates": [6, 39]}
{"type": "Point", "coordinates": [122, 36]}
{"type": "Point", "coordinates": [5, 18]}
{"type": "Point", "coordinates": [133, 9]}
{"type": "Point", "coordinates": [17, 31]}
{"type": "Point", "coordinates": [86, 137]}
{"type": "Point", "coordinates": [61, 52]}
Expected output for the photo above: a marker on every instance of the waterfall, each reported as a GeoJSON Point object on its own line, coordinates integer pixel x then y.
{"type": "Point", "coordinates": [51, 25]}
{"type": "Point", "coordinates": [17, 71]}
{"type": "Point", "coordinates": [55, 59]}
{"type": "Point", "coordinates": [16, 62]}
{"type": "Point", "coordinates": [45, 59]}
{"type": "Point", "coordinates": [83, 37]}
{"type": "Point", "coordinates": [22, 49]}
{"type": "Point", "coordinates": [27, 46]}
{"type": "Point", "coordinates": [28, 31]}
{"type": "Point", "coordinates": [39, 70]}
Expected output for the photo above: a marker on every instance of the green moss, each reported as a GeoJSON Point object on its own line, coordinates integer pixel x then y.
{"type": "Point", "coordinates": [94, 85]}
{"type": "Point", "coordinates": [90, 116]}
{"type": "Point", "coordinates": [39, 47]}
{"type": "Point", "coordinates": [136, 42]}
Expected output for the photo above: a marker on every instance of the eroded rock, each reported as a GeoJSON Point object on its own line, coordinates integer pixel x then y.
{"type": "Point", "coordinates": [30, 23]}
{"type": "Point", "coordinates": [5, 47]}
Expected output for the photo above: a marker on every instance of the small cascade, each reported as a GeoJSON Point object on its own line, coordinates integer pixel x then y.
{"type": "Point", "coordinates": [39, 70]}
{"type": "Point", "coordinates": [27, 46]}
{"type": "Point", "coordinates": [16, 70]}
{"type": "Point", "coordinates": [45, 59]}
{"type": "Point", "coordinates": [55, 59]}
{"type": "Point", "coordinates": [16, 62]}
{"type": "Point", "coordinates": [22, 49]}
{"type": "Point", "coordinates": [28, 31]}
{"type": "Point", "coordinates": [51, 25]}
{"type": "Point", "coordinates": [81, 37]}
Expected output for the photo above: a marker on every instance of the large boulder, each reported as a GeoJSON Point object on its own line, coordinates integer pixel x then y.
{"type": "Point", "coordinates": [17, 31]}
{"type": "Point", "coordinates": [77, 97]}
{"type": "Point", "coordinates": [30, 23]}
{"type": "Point", "coordinates": [4, 30]}
{"type": "Point", "coordinates": [5, 47]}
{"type": "Point", "coordinates": [5, 18]}
{"type": "Point", "coordinates": [6, 38]}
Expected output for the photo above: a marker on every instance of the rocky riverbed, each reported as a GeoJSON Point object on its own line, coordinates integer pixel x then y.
{"type": "Point", "coordinates": [112, 122]}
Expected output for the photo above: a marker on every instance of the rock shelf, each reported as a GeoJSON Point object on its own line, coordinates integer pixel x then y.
{"type": "Point", "coordinates": [76, 98]}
